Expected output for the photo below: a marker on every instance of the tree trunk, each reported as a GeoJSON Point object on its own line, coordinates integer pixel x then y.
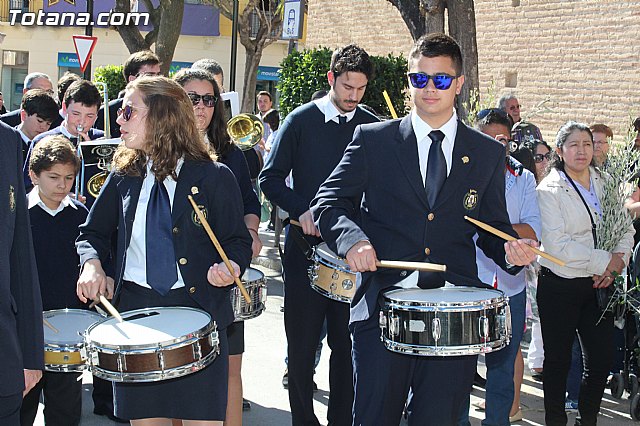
{"type": "Point", "coordinates": [169, 32]}
{"type": "Point", "coordinates": [462, 27]}
{"type": "Point", "coordinates": [130, 34]}
{"type": "Point", "coordinates": [434, 16]}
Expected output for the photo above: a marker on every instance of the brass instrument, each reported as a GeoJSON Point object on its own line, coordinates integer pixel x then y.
{"type": "Point", "coordinates": [245, 130]}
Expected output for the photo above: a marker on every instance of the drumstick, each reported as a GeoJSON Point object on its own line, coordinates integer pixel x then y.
{"type": "Point", "coordinates": [416, 266]}
{"type": "Point", "coordinates": [48, 324]}
{"type": "Point", "coordinates": [110, 308]}
{"type": "Point", "coordinates": [508, 237]}
{"type": "Point", "coordinates": [392, 110]}
{"type": "Point", "coordinates": [216, 243]}
{"type": "Point", "coordinates": [397, 264]}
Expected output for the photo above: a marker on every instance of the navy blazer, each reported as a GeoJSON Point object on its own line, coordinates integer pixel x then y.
{"type": "Point", "coordinates": [382, 165]}
{"type": "Point", "coordinates": [21, 331]}
{"type": "Point", "coordinates": [216, 189]}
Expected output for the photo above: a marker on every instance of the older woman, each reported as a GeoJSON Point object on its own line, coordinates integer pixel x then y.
{"type": "Point", "coordinates": [164, 159]}
{"type": "Point", "coordinates": [569, 200]}
{"type": "Point", "coordinates": [202, 89]}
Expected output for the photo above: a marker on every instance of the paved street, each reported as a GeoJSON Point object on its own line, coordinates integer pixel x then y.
{"type": "Point", "coordinates": [263, 366]}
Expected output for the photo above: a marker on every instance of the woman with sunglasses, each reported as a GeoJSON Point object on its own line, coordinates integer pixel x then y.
{"type": "Point", "coordinates": [202, 89]}
{"type": "Point", "coordinates": [541, 155]}
{"type": "Point", "coordinates": [144, 200]}
{"type": "Point", "coordinates": [569, 199]}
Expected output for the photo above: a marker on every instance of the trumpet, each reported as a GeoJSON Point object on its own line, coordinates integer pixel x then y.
{"type": "Point", "coordinates": [245, 130]}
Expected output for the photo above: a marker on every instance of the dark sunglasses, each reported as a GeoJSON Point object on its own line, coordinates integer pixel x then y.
{"type": "Point", "coordinates": [127, 111]}
{"type": "Point", "coordinates": [509, 143]}
{"type": "Point", "coordinates": [208, 100]}
{"type": "Point", "coordinates": [419, 80]}
{"type": "Point", "coordinates": [494, 111]}
{"type": "Point", "coordinates": [539, 158]}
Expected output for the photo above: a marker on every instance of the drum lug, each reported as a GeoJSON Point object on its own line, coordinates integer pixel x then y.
{"type": "Point", "coordinates": [197, 351]}
{"type": "Point", "coordinates": [122, 362]}
{"type": "Point", "coordinates": [436, 331]}
{"type": "Point", "coordinates": [312, 271]}
{"type": "Point", "coordinates": [483, 329]}
{"type": "Point", "coordinates": [394, 325]}
{"type": "Point", "coordinates": [160, 354]}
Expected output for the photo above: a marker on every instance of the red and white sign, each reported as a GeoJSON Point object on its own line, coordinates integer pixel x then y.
{"type": "Point", "coordinates": [84, 49]}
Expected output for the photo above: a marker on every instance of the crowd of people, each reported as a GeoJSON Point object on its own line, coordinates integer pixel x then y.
{"type": "Point", "coordinates": [369, 188]}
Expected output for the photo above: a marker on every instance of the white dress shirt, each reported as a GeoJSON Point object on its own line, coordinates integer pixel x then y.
{"type": "Point", "coordinates": [330, 111]}
{"type": "Point", "coordinates": [33, 199]}
{"type": "Point", "coordinates": [135, 269]}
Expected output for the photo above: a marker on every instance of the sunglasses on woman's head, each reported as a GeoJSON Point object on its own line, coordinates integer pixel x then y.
{"type": "Point", "coordinates": [419, 80]}
{"type": "Point", "coordinates": [208, 100]}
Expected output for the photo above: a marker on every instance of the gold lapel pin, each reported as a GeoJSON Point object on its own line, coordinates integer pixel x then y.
{"type": "Point", "coordinates": [465, 159]}
{"type": "Point", "coordinates": [194, 190]}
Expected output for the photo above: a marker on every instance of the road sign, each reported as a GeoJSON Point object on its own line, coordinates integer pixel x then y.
{"type": "Point", "coordinates": [84, 48]}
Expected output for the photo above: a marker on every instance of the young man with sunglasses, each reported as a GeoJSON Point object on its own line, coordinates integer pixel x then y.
{"type": "Point", "coordinates": [139, 64]}
{"type": "Point", "coordinates": [308, 145]}
{"type": "Point", "coordinates": [401, 192]}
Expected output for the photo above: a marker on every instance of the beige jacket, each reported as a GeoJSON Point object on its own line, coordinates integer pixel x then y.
{"type": "Point", "coordinates": [566, 229]}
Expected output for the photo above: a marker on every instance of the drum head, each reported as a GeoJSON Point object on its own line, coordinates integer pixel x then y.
{"type": "Point", "coordinates": [444, 295]}
{"type": "Point", "coordinates": [251, 274]}
{"type": "Point", "coordinates": [325, 252]}
{"type": "Point", "coordinates": [70, 323]}
{"type": "Point", "coordinates": [149, 326]}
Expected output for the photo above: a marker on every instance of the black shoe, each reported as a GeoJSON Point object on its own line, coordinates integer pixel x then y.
{"type": "Point", "coordinates": [285, 379]}
{"type": "Point", "coordinates": [246, 405]}
{"type": "Point", "coordinates": [109, 414]}
{"type": "Point", "coordinates": [479, 381]}
{"type": "Point", "coordinates": [537, 376]}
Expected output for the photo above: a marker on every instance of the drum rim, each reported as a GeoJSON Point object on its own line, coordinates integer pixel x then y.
{"type": "Point", "coordinates": [333, 296]}
{"type": "Point", "coordinates": [318, 257]}
{"type": "Point", "coordinates": [210, 327]}
{"type": "Point", "coordinates": [484, 303]}
{"type": "Point", "coordinates": [420, 350]}
{"type": "Point", "coordinates": [80, 344]}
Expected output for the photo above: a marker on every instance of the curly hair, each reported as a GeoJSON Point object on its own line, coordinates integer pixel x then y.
{"type": "Point", "coordinates": [52, 150]}
{"type": "Point", "coordinates": [351, 58]}
{"type": "Point", "coordinates": [217, 129]}
{"type": "Point", "coordinates": [170, 129]}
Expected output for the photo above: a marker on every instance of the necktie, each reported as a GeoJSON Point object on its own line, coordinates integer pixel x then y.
{"type": "Point", "coordinates": [74, 140]}
{"type": "Point", "coordinates": [161, 258]}
{"type": "Point", "coordinates": [342, 119]}
{"type": "Point", "coordinates": [436, 167]}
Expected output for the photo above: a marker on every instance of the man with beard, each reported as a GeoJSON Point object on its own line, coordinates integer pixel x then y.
{"type": "Point", "coordinates": [309, 144]}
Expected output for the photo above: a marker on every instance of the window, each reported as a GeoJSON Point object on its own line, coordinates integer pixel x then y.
{"type": "Point", "coordinates": [21, 5]}
{"type": "Point", "coordinates": [254, 19]}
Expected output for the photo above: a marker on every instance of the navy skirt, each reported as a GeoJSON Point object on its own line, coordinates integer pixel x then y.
{"type": "Point", "coordinates": [197, 396]}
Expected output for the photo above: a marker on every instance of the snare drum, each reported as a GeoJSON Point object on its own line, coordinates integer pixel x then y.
{"type": "Point", "coordinates": [330, 276]}
{"type": "Point", "coordinates": [64, 350]}
{"type": "Point", "coordinates": [256, 285]}
{"type": "Point", "coordinates": [447, 321]}
{"type": "Point", "coordinates": [152, 344]}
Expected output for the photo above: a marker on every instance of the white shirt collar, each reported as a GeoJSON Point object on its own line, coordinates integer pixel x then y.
{"type": "Point", "coordinates": [66, 132]}
{"type": "Point", "coordinates": [33, 199]}
{"type": "Point", "coordinates": [24, 137]}
{"type": "Point", "coordinates": [330, 111]}
{"type": "Point", "coordinates": [422, 129]}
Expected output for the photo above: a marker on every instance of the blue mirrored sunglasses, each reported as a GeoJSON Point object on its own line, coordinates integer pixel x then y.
{"type": "Point", "coordinates": [419, 80]}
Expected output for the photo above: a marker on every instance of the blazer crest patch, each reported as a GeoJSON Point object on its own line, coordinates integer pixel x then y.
{"type": "Point", "coordinates": [12, 199]}
{"type": "Point", "coordinates": [470, 199]}
{"type": "Point", "coordinates": [194, 216]}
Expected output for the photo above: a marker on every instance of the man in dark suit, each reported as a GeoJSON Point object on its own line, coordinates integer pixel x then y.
{"type": "Point", "coordinates": [417, 178]}
{"type": "Point", "coordinates": [35, 80]}
{"type": "Point", "coordinates": [21, 331]}
{"type": "Point", "coordinates": [144, 62]}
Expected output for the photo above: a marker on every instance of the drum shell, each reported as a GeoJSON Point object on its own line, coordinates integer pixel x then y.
{"type": "Point", "coordinates": [331, 277]}
{"type": "Point", "coordinates": [67, 357]}
{"type": "Point", "coordinates": [467, 328]}
{"type": "Point", "coordinates": [256, 284]}
{"type": "Point", "coordinates": [153, 362]}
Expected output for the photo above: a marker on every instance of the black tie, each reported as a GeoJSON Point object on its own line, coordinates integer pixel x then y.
{"type": "Point", "coordinates": [436, 167]}
{"type": "Point", "coordinates": [161, 258]}
{"type": "Point", "coordinates": [342, 119]}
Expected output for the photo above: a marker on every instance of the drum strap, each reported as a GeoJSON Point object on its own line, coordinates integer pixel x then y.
{"type": "Point", "coordinates": [298, 236]}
